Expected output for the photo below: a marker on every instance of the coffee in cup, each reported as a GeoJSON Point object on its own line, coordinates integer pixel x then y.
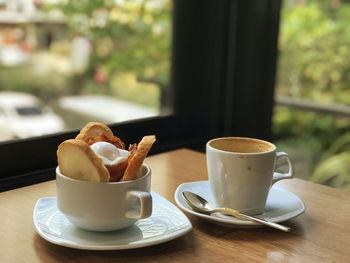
{"type": "Point", "coordinates": [241, 172]}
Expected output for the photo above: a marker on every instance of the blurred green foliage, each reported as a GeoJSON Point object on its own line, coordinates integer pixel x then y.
{"type": "Point", "coordinates": [314, 52]}
{"type": "Point", "coordinates": [314, 64]}
{"type": "Point", "coordinates": [129, 40]}
{"type": "Point", "coordinates": [133, 36]}
{"type": "Point", "coordinates": [334, 167]}
{"type": "Point", "coordinates": [21, 78]}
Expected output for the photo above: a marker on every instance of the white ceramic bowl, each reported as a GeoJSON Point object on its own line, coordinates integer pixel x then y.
{"type": "Point", "coordinates": [104, 206]}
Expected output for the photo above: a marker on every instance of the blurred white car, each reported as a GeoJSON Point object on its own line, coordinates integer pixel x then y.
{"type": "Point", "coordinates": [23, 115]}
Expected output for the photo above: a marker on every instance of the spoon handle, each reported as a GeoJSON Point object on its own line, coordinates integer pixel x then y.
{"type": "Point", "coordinates": [237, 214]}
{"type": "Point", "coordinates": [229, 211]}
{"type": "Point", "coordinates": [268, 223]}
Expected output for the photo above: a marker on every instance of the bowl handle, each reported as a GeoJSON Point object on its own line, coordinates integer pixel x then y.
{"type": "Point", "coordinates": [145, 199]}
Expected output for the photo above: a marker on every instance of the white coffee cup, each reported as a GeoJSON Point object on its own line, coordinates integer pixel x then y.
{"type": "Point", "coordinates": [104, 206]}
{"type": "Point", "coordinates": [241, 172]}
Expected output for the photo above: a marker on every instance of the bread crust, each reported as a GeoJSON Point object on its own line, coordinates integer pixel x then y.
{"type": "Point", "coordinates": [78, 161]}
{"type": "Point", "coordinates": [137, 159]}
{"type": "Point", "coordinates": [92, 130]}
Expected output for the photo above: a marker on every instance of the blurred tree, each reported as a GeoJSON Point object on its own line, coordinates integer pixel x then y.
{"type": "Point", "coordinates": [125, 35]}
{"type": "Point", "coordinates": [314, 51]}
{"type": "Point", "coordinates": [314, 64]}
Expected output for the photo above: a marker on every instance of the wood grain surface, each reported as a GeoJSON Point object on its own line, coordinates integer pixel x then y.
{"type": "Point", "coordinates": [321, 234]}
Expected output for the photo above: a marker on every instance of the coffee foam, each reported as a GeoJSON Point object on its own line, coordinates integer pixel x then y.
{"type": "Point", "coordinates": [241, 145]}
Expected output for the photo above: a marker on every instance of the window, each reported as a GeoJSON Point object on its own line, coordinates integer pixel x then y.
{"type": "Point", "coordinates": [311, 117]}
{"type": "Point", "coordinates": [220, 85]}
{"type": "Point", "coordinates": [103, 61]}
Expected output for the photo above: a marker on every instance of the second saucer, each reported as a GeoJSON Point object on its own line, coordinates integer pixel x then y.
{"type": "Point", "coordinates": [281, 205]}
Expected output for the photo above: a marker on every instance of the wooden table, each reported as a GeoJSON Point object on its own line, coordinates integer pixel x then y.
{"type": "Point", "coordinates": [321, 234]}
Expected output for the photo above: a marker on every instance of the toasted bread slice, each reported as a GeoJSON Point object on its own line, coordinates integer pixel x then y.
{"type": "Point", "coordinates": [92, 130]}
{"type": "Point", "coordinates": [137, 159]}
{"type": "Point", "coordinates": [78, 161]}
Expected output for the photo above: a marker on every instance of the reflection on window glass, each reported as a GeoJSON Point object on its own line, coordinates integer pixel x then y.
{"type": "Point", "coordinates": [83, 60]}
{"type": "Point", "coordinates": [312, 121]}
{"type": "Point", "coordinates": [28, 111]}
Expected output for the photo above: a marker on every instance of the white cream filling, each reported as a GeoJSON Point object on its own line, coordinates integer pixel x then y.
{"type": "Point", "coordinates": [109, 153]}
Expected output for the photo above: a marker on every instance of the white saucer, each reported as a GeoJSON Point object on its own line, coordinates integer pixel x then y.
{"type": "Point", "coordinates": [166, 223]}
{"type": "Point", "coordinates": [281, 205]}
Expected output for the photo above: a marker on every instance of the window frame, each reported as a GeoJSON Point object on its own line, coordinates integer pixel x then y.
{"type": "Point", "coordinates": [222, 82]}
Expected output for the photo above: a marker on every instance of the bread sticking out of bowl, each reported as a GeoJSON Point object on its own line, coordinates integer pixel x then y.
{"type": "Point", "coordinates": [97, 131]}
{"type": "Point", "coordinates": [93, 130]}
{"type": "Point", "coordinates": [136, 161]}
{"type": "Point", "coordinates": [97, 155]}
{"type": "Point", "coordinates": [77, 160]}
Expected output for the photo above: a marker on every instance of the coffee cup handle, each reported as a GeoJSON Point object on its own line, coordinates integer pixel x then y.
{"type": "Point", "coordinates": [280, 176]}
{"type": "Point", "coordinates": [145, 200]}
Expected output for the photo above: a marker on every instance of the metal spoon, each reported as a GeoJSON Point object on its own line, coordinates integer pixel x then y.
{"type": "Point", "coordinates": [201, 205]}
